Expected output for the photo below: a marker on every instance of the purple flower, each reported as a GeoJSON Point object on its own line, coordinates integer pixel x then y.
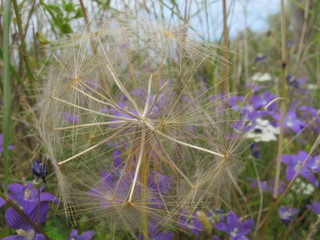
{"type": "Point", "coordinates": [291, 121]}
{"type": "Point", "coordinates": [294, 164]}
{"type": "Point", "coordinates": [255, 150]}
{"type": "Point", "coordinates": [286, 213]}
{"type": "Point", "coordinates": [262, 100]}
{"type": "Point", "coordinates": [1, 147]}
{"type": "Point", "coordinates": [34, 204]}
{"type": "Point", "coordinates": [314, 207]}
{"type": "Point", "coordinates": [74, 235]}
{"type": "Point", "coordinates": [28, 200]}
{"type": "Point", "coordinates": [155, 234]}
{"type": "Point", "coordinates": [39, 170]}
{"type": "Point", "coordinates": [259, 58]}
{"type": "Point", "coordinates": [255, 183]}
{"type": "Point", "coordinates": [314, 164]}
{"type": "Point", "coordinates": [25, 235]}
{"type": "Point", "coordinates": [290, 43]}
{"type": "Point", "coordinates": [237, 229]}
{"type": "Point", "coordinates": [191, 223]}
{"type": "Point", "coordinates": [117, 159]}
{"type": "Point", "coordinates": [280, 188]}
{"type": "Point", "coordinates": [70, 117]}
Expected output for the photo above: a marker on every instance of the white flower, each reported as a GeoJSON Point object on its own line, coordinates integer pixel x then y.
{"type": "Point", "coordinates": [263, 131]}
{"type": "Point", "coordinates": [301, 187]}
{"type": "Point", "coordinates": [261, 77]}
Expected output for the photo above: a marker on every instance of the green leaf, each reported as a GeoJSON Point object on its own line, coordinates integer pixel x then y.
{"type": "Point", "coordinates": [65, 28]}
{"type": "Point", "coordinates": [68, 7]}
{"type": "Point", "coordinates": [78, 13]}
{"type": "Point", "coordinates": [42, 39]}
{"type": "Point", "coordinates": [53, 232]}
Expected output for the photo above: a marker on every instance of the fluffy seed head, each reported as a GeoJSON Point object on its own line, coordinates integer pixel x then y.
{"type": "Point", "coordinates": [127, 129]}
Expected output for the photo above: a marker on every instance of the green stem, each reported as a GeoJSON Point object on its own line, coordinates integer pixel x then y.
{"type": "Point", "coordinates": [225, 50]}
{"type": "Point", "coordinates": [6, 92]}
{"type": "Point", "coordinates": [283, 96]}
{"type": "Point", "coordinates": [144, 179]}
{"type": "Point", "coordinates": [17, 208]}
{"type": "Point", "coordinates": [23, 50]}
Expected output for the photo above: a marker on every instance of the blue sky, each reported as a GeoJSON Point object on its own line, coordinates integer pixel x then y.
{"type": "Point", "coordinates": [257, 15]}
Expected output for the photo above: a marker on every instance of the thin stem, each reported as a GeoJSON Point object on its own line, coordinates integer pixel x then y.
{"type": "Point", "coordinates": [152, 128]}
{"type": "Point", "coordinates": [143, 137]}
{"type": "Point", "coordinates": [283, 95]}
{"type": "Point", "coordinates": [93, 111]}
{"type": "Point", "coordinates": [93, 147]}
{"type": "Point", "coordinates": [225, 48]}
{"type": "Point", "coordinates": [91, 125]}
{"type": "Point", "coordinates": [261, 198]}
{"type": "Point", "coordinates": [303, 32]}
{"type": "Point", "coordinates": [148, 97]}
{"type": "Point", "coordinates": [6, 92]}
{"type": "Point", "coordinates": [313, 229]}
{"type": "Point", "coordinates": [144, 181]}
{"type": "Point", "coordinates": [272, 101]}
{"type": "Point", "coordinates": [23, 50]}
{"type": "Point", "coordinates": [117, 80]}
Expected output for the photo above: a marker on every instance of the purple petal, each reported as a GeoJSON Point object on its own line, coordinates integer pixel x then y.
{"type": "Point", "coordinates": [246, 226]}
{"type": "Point", "coordinates": [14, 220]}
{"type": "Point", "coordinates": [36, 213]}
{"type": "Point", "coordinates": [86, 235]}
{"type": "Point", "coordinates": [290, 173]}
{"type": "Point", "coordinates": [74, 233]}
{"type": "Point", "coordinates": [2, 202]}
{"type": "Point", "coordinates": [14, 237]}
{"type": "Point", "coordinates": [48, 197]}
{"type": "Point", "coordinates": [222, 227]}
{"type": "Point", "coordinates": [70, 117]}
{"type": "Point", "coordinates": [16, 192]}
{"type": "Point", "coordinates": [314, 207]}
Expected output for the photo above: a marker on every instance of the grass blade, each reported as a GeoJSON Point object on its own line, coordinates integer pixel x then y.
{"type": "Point", "coordinates": [6, 91]}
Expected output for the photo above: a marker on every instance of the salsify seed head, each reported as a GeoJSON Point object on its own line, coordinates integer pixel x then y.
{"type": "Point", "coordinates": [127, 129]}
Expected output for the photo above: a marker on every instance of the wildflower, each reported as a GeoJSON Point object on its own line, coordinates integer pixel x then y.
{"type": "Point", "coordinates": [294, 165]}
{"type": "Point", "coordinates": [266, 185]}
{"type": "Point", "coordinates": [196, 223]}
{"type": "Point", "coordinates": [263, 131]}
{"type": "Point", "coordinates": [155, 234]}
{"type": "Point", "coordinates": [74, 235]}
{"type": "Point", "coordinates": [70, 117]}
{"type": "Point", "coordinates": [314, 164]}
{"type": "Point", "coordinates": [28, 234]}
{"type": "Point", "coordinates": [34, 204]}
{"type": "Point", "coordinates": [1, 147]}
{"type": "Point", "coordinates": [261, 77]}
{"type": "Point", "coordinates": [261, 100]}
{"type": "Point", "coordinates": [292, 121]}
{"type": "Point", "coordinates": [237, 229]}
{"type": "Point", "coordinates": [301, 187]}
{"type": "Point", "coordinates": [281, 187]}
{"type": "Point", "coordinates": [255, 150]}
{"type": "Point", "coordinates": [39, 170]}
{"type": "Point", "coordinates": [290, 43]}
{"type": "Point", "coordinates": [314, 207]}
{"type": "Point", "coordinates": [255, 183]}
{"type": "Point", "coordinates": [259, 59]}
{"type": "Point", "coordinates": [29, 199]}
{"type": "Point", "coordinates": [286, 213]}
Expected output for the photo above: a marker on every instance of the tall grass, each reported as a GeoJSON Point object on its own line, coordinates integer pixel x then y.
{"type": "Point", "coordinates": [7, 100]}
